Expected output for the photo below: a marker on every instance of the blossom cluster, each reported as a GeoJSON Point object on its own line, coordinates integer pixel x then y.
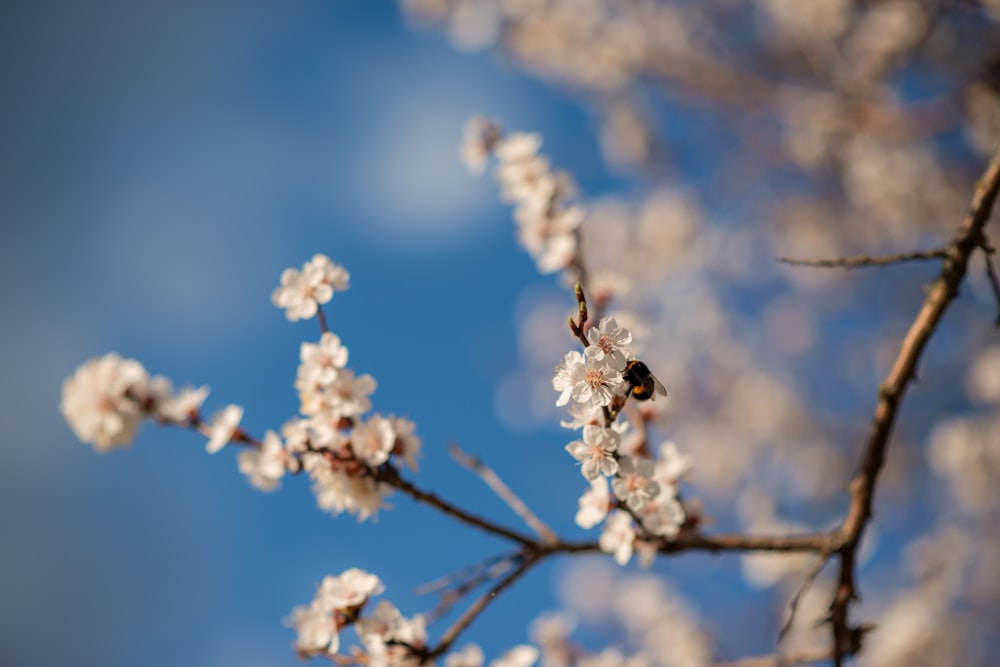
{"type": "Point", "coordinates": [646, 503]}
{"type": "Point", "coordinates": [387, 638]}
{"type": "Point", "coordinates": [333, 440]}
{"type": "Point", "coordinates": [547, 225]}
{"type": "Point", "coordinates": [338, 603]}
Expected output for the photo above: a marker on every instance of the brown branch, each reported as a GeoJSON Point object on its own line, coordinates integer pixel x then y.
{"type": "Point", "coordinates": [498, 486]}
{"type": "Point", "coordinates": [811, 542]}
{"type": "Point", "coordinates": [321, 318]}
{"type": "Point", "coordinates": [391, 476]}
{"type": "Point", "coordinates": [865, 261]}
{"type": "Point", "coordinates": [942, 292]}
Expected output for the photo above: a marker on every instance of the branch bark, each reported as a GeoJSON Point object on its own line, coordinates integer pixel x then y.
{"type": "Point", "coordinates": [942, 292]}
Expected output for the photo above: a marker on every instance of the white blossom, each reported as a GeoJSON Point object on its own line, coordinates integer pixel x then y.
{"type": "Point", "coordinates": [223, 427]}
{"type": "Point", "coordinates": [586, 379]}
{"type": "Point", "coordinates": [583, 414]}
{"type": "Point", "coordinates": [608, 339]}
{"type": "Point", "coordinates": [618, 537]}
{"type": "Point", "coordinates": [321, 362]}
{"type": "Point", "coordinates": [315, 628]}
{"type": "Point", "coordinates": [596, 451]}
{"type": "Point", "coordinates": [346, 396]}
{"type": "Point", "coordinates": [264, 467]}
{"type": "Point", "coordinates": [594, 503]}
{"type": "Point", "coordinates": [664, 515]}
{"type": "Point", "coordinates": [568, 372]}
{"type": "Point", "coordinates": [302, 292]}
{"type": "Point", "coordinates": [183, 405]}
{"type": "Point", "coordinates": [372, 441]}
{"type": "Point", "coordinates": [634, 483]}
{"type": "Point", "coordinates": [407, 443]}
{"type": "Point", "coordinates": [672, 466]}
{"type": "Point", "coordinates": [350, 589]}
{"type": "Point", "coordinates": [519, 656]}
{"type": "Point", "coordinates": [101, 402]}
{"type": "Point", "coordinates": [337, 491]}
{"type": "Point", "coordinates": [469, 655]}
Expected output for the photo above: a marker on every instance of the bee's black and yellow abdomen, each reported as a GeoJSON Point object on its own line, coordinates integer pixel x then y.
{"type": "Point", "coordinates": [641, 380]}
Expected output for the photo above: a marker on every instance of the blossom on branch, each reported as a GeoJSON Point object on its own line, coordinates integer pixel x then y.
{"type": "Point", "coordinates": [302, 292]}
{"type": "Point", "coordinates": [265, 466]}
{"type": "Point", "coordinates": [102, 401]}
{"type": "Point", "coordinates": [596, 452]}
{"type": "Point", "coordinates": [223, 428]}
{"type": "Point", "coordinates": [587, 379]}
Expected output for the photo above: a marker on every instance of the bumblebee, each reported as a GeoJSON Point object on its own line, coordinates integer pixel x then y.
{"type": "Point", "coordinates": [642, 383]}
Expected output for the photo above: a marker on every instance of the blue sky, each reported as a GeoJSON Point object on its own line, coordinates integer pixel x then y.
{"type": "Point", "coordinates": [161, 164]}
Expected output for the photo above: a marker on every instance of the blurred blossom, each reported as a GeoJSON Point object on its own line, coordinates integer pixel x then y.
{"type": "Point", "coordinates": [519, 656]}
{"type": "Point", "coordinates": [982, 382]}
{"type": "Point", "coordinates": [809, 23]}
{"type": "Point", "coordinates": [965, 451]}
{"type": "Point", "coordinates": [102, 401]}
{"type": "Point", "coordinates": [469, 655]}
{"type": "Point", "coordinates": [302, 292]}
{"type": "Point", "coordinates": [223, 428]}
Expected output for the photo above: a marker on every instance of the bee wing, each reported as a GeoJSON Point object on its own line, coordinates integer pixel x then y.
{"type": "Point", "coordinates": [659, 389]}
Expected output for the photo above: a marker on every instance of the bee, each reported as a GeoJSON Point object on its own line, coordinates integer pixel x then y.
{"type": "Point", "coordinates": [642, 383]}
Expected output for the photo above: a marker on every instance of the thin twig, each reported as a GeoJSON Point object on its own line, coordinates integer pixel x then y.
{"type": "Point", "coordinates": [451, 597]}
{"type": "Point", "coordinates": [451, 634]}
{"type": "Point", "coordinates": [321, 318]}
{"type": "Point", "coordinates": [864, 261]}
{"type": "Point", "coordinates": [444, 582]}
{"type": "Point", "coordinates": [991, 275]}
{"type": "Point", "coordinates": [891, 393]}
{"type": "Point", "coordinates": [579, 326]}
{"type": "Point", "coordinates": [391, 476]}
{"type": "Point", "coordinates": [498, 486]}
{"type": "Point", "coordinates": [793, 605]}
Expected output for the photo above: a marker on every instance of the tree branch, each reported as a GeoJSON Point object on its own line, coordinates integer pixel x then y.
{"type": "Point", "coordinates": [391, 476]}
{"type": "Point", "coordinates": [865, 261]}
{"type": "Point", "coordinates": [942, 292]}
{"type": "Point", "coordinates": [498, 486]}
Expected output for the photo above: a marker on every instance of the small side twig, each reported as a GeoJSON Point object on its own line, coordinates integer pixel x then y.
{"type": "Point", "coordinates": [991, 275]}
{"type": "Point", "coordinates": [808, 581]}
{"type": "Point", "coordinates": [321, 318]}
{"type": "Point", "coordinates": [504, 492]}
{"type": "Point", "coordinates": [579, 326]}
{"type": "Point", "coordinates": [466, 572]}
{"type": "Point", "coordinates": [451, 634]}
{"type": "Point", "coordinates": [487, 572]}
{"type": "Point", "coordinates": [864, 261]}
